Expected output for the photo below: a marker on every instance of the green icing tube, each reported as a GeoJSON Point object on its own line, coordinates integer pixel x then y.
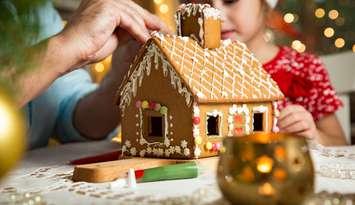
{"type": "Point", "coordinates": [170, 172]}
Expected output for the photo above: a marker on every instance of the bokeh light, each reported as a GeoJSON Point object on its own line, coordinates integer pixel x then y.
{"type": "Point", "coordinates": [329, 32]}
{"type": "Point", "coordinates": [339, 43]}
{"type": "Point", "coordinates": [319, 13]}
{"type": "Point", "coordinates": [333, 14]}
{"type": "Point", "coordinates": [289, 18]}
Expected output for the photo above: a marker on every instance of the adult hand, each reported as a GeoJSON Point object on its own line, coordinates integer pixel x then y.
{"type": "Point", "coordinates": [297, 120]}
{"type": "Point", "coordinates": [94, 32]}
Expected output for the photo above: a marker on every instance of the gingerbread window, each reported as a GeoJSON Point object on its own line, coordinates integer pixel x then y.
{"type": "Point", "coordinates": [213, 125]}
{"type": "Point", "coordinates": [154, 126]}
{"type": "Point", "coordinates": [258, 122]}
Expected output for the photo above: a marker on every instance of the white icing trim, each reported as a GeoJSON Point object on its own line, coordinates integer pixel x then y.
{"type": "Point", "coordinates": [196, 129]}
{"type": "Point", "coordinates": [142, 153]}
{"type": "Point", "coordinates": [276, 114]}
{"type": "Point", "coordinates": [197, 152]}
{"type": "Point", "coordinates": [206, 9]}
{"type": "Point", "coordinates": [187, 152]}
{"type": "Point", "coordinates": [135, 80]}
{"type": "Point", "coordinates": [133, 151]}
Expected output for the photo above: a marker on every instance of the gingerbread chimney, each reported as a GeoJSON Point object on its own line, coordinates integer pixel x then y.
{"type": "Point", "coordinates": [200, 22]}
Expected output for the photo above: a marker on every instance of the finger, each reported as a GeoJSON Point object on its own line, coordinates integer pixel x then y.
{"type": "Point", "coordinates": [154, 23]}
{"type": "Point", "coordinates": [107, 49]}
{"type": "Point", "coordinates": [123, 36]}
{"type": "Point", "coordinates": [297, 127]}
{"type": "Point", "coordinates": [151, 21]}
{"type": "Point", "coordinates": [306, 134]}
{"type": "Point", "coordinates": [291, 118]}
{"type": "Point", "coordinates": [290, 109]}
{"type": "Point", "coordinates": [126, 22]}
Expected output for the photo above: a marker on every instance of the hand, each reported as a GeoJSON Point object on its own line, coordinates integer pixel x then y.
{"type": "Point", "coordinates": [297, 120]}
{"type": "Point", "coordinates": [94, 32]}
{"type": "Point", "coordinates": [121, 61]}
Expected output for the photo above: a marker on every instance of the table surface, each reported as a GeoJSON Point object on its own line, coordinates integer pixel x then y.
{"type": "Point", "coordinates": [45, 172]}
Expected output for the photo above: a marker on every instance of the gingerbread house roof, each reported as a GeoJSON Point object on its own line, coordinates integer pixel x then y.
{"type": "Point", "coordinates": [229, 73]}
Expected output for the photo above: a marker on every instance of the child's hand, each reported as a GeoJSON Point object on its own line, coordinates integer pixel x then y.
{"type": "Point", "coordinates": [297, 120]}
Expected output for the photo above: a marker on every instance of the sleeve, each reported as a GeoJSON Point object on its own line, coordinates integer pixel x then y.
{"type": "Point", "coordinates": [71, 89]}
{"type": "Point", "coordinates": [323, 99]}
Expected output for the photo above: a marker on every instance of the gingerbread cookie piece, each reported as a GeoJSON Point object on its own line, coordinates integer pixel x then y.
{"type": "Point", "coordinates": [200, 22]}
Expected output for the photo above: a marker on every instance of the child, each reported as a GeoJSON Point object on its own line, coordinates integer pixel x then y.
{"type": "Point", "coordinates": [310, 104]}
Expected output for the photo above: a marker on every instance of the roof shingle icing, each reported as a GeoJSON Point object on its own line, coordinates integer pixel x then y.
{"type": "Point", "coordinates": [229, 73]}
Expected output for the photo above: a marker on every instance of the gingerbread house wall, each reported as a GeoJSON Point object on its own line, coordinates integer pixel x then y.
{"type": "Point", "coordinates": [209, 145]}
{"type": "Point", "coordinates": [157, 88]}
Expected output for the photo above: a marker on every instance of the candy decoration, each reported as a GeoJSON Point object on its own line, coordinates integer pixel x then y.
{"type": "Point", "coordinates": [198, 140]}
{"type": "Point", "coordinates": [209, 146]}
{"type": "Point", "coordinates": [196, 120]}
{"type": "Point", "coordinates": [163, 110]}
{"type": "Point", "coordinates": [218, 146]}
{"type": "Point", "coordinates": [152, 105]}
{"type": "Point", "coordinates": [138, 104]}
{"type": "Point", "coordinates": [145, 104]}
{"type": "Point", "coordinates": [238, 119]}
{"type": "Point", "coordinates": [238, 131]}
{"type": "Point", "coordinates": [214, 147]}
{"type": "Point", "coordinates": [157, 107]}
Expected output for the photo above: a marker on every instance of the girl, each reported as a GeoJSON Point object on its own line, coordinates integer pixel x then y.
{"type": "Point", "coordinates": [310, 104]}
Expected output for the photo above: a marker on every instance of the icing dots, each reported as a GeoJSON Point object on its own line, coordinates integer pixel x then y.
{"type": "Point", "coordinates": [213, 146]}
{"type": "Point", "coordinates": [163, 110]}
{"type": "Point", "coordinates": [183, 143]}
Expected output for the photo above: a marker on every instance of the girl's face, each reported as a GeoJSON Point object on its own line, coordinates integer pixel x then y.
{"type": "Point", "coordinates": [242, 19]}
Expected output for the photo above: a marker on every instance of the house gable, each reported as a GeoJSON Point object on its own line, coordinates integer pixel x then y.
{"type": "Point", "coordinates": [142, 67]}
{"type": "Point", "coordinates": [155, 94]}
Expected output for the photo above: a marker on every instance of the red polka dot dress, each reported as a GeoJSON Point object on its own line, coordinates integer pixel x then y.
{"type": "Point", "coordinates": [303, 80]}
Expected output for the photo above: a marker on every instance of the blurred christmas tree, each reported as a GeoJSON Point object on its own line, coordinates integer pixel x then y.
{"type": "Point", "coordinates": [320, 26]}
{"type": "Point", "coordinates": [19, 29]}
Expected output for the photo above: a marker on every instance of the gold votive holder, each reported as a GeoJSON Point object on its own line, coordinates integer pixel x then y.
{"type": "Point", "coordinates": [265, 168]}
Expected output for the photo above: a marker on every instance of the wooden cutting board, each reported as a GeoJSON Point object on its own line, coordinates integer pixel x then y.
{"type": "Point", "coordinates": [110, 171]}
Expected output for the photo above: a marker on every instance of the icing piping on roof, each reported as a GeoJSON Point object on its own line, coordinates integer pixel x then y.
{"type": "Point", "coordinates": [135, 79]}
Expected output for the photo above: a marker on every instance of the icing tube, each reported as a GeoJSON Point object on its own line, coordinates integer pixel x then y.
{"type": "Point", "coordinates": [170, 172]}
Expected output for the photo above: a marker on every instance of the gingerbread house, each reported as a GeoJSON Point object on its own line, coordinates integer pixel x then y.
{"type": "Point", "coordinates": [184, 93]}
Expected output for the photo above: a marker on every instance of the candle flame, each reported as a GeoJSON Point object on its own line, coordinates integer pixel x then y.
{"type": "Point", "coordinates": [264, 164]}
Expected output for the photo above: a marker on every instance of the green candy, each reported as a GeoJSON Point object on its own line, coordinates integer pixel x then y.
{"type": "Point", "coordinates": [163, 110]}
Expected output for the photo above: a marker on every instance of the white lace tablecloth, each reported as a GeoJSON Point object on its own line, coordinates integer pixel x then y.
{"type": "Point", "coordinates": [45, 175]}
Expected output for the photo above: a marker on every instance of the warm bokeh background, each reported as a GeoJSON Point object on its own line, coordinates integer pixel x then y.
{"type": "Point", "coordinates": [320, 26]}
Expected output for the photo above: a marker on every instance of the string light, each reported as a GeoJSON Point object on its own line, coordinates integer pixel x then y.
{"type": "Point", "coordinates": [329, 32]}
{"type": "Point", "coordinates": [339, 43]}
{"type": "Point", "coordinates": [99, 67]}
{"type": "Point", "coordinates": [289, 18]}
{"type": "Point", "coordinates": [157, 1]}
{"type": "Point", "coordinates": [164, 8]}
{"type": "Point", "coordinates": [319, 13]}
{"type": "Point", "coordinates": [298, 46]}
{"type": "Point", "coordinates": [5, 120]}
{"type": "Point", "coordinates": [333, 14]}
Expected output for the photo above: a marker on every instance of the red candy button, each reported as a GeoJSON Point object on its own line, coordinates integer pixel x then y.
{"type": "Point", "coordinates": [196, 120]}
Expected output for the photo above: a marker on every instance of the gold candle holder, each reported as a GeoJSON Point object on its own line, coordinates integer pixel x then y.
{"type": "Point", "coordinates": [265, 168]}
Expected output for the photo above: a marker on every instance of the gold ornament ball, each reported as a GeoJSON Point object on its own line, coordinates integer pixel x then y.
{"type": "Point", "coordinates": [12, 133]}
